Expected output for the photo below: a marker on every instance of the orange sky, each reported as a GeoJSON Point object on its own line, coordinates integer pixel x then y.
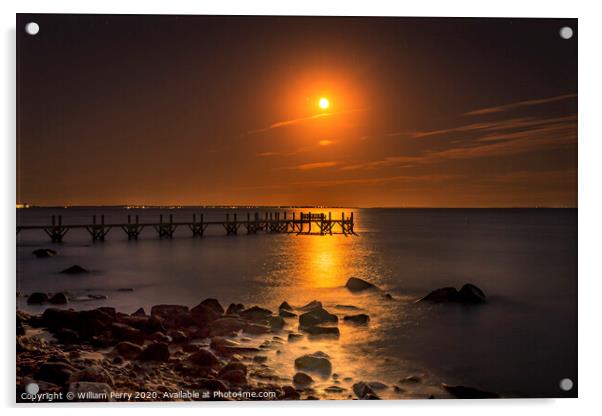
{"type": "Point", "coordinates": [224, 112]}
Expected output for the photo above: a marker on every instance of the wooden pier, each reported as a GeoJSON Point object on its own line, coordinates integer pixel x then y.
{"type": "Point", "coordinates": [271, 222]}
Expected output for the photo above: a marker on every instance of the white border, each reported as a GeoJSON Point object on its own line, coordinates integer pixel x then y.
{"type": "Point", "coordinates": [590, 203]}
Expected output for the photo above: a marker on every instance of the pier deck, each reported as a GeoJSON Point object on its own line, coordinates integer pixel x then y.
{"type": "Point", "coordinates": [272, 222]}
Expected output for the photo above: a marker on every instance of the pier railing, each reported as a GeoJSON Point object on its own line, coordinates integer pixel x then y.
{"type": "Point", "coordinates": [272, 222]}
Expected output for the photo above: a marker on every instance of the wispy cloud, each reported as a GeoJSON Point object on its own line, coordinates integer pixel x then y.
{"type": "Point", "coordinates": [379, 180]}
{"type": "Point", "coordinates": [512, 106]}
{"type": "Point", "coordinates": [301, 120]}
{"type": "Point", "coordinates": [314, 165]}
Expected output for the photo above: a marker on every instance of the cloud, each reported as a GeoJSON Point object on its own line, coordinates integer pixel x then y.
{"type": "Point", "coordinates": [314, 165]}
{"type": "Point", "coordinates": [301, 120]}
{"type": "Point", "coordinates": [379, 180]}
{"type": "Point", "coordinates": [508, 107]}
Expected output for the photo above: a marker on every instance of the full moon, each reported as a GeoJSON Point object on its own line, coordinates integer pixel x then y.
{"type": "Point", "coordinates": [324, 103]}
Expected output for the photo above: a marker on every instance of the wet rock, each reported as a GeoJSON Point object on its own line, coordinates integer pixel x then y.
{"type": "Point", "coordinates": [303, 380]}
{"type": "Point", "coordinates": [276, 323]}
{"type": "Point", "coordinates": [85, 391]}
{"type": "Point", "coordinates": [118, 359]}
{"type": "Point", "coordinates": [139, 312]}
{"type": "Point", "coordinates": [226, 326]}
{"type": "Point", "coordinates": [334, 389]}
{"type": "Point", "coordinates": [286, 314]}
{"type": "Point", "coordinates": [388, 296]}
{"type": "Point", "coordinates": [347, 307]}
{"type": "Point", "coordinates": [360, 319]}
{"type": "Point", "coordinates": [235, 308]}
{"type": "Point", "coordinates": [355, 284]}
{"type": "Point", "coordinates": [56, 372]}
{"type": "Point", "coordinates": [123, 332]}
{"type": "Point", "coordinates": [203, 358]}
{"type": "Point", "coordinates": [211, 385]}
{"type": "Point", "coordinates": [315, 362]}
{"type": "Point", "coordinates": [233, 366]}
{"type": "Point", "coordinates": [364, 392]}
{"type": "Point", "coordinates": [178, 337]}
{"type": "Point", "coordinates": [234, 377]}
{"type": "Point", "coordinates": [59, 299]}
{"type": "Point", "coordinates": [377, 385]}
{"type": "Point", "coordinates": [190, 348]}
{"type": "Point", "coordinates": [311, 305]}
{"type": "Point", "coordinates": [289, 393]}
{"type": "Point", "coordinates": [411, 379]}
{"type": "Point", "coordinates": [158, 351]}
{"type": "Point", "coordinates": [471, 294]}
{"type": "Point", "coordinates": [43, 253]}
{"type": "Point", "coordinates": [160, 337]}
{"type": "Point", "coordinates": [93, 374]}
{"type": "Point", "coordinates": [67, 336]}
{"type": "Point", "coordinates": [37, 298]}
{"type": "Point", "coordinates": [294, 337]}
{"type": "Point", "coordinates": [260, 359]}
{"type": "Point", "coordinates": [464, 392]}
{"type": "Point", "coordinates": [317, 316]}
{"type": "Point", "coordinates": [75, 269]}
{"type": "Point", "coordinates": [256, 329]}
{"type": "Point", "coordinates": [444, 294]}
{"type": "Point", "coordinates": [212, 304]}
{"type": "Point", "coordinates": [255, 313]}
{"type": "Point", "coordinates": [322, 330]}
{"type": "Point", "coordinates": [20, 327]}
{"type": "Point", "coordinates": [284, 306]}
{"type": "Point", "coordinates": [128, 350]}
{"type": "Point", "coordinates": [172, 316]}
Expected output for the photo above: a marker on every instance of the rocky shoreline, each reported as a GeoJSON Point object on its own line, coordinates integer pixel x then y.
{"type": "Point", "coordinates": [173, 352]}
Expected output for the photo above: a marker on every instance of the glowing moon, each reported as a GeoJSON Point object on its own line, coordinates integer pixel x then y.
{"type": "Point", "coordinates": [324, 103]}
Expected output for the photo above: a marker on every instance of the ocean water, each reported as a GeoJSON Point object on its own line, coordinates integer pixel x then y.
{"type": "Point", "coordinates": [520, 344]}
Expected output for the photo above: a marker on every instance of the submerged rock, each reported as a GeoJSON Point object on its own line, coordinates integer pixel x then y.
{"type": "Point", "coordinates": [75, 269]}
{"type": "Point", "coordinates": [355, 284]}
{"type": "Point", "coordinates": [286, 314]}
{"type": "Point", "coordinates": [235, 308]}
{"type": "Point", "coordinates": [59, 299]}
{"type": "Point", "coordinates": [322, 330]}
{"type": "Point", "coordinates": [347, 307]}
{"type": "Point", "coordinates": [255, 313]}
{"type": "Point", "coordinates": [360, 319]}
{"type": "Point", "coordinates": [364, 392]}
{"type": "Point", "coordinates": [43, 253]}
{"type": "Point", "coordinates": [212, 304]}
{"type": "Point", "coordinates": [37, 298]}
{"type": "Point", "coordinates": [463, 392]}
{"type": "Point", "coordinates": [469, 294]}
{"type": "Point", "coordinates": [285, 306]}
{"type": "Point", "coordinates": [294, 337]}
{"type": "Point", "coordinates": [139, 312]}
{"type": "Point", "coordinates": [315, 362]}
{"type": "Point", "coordinates": [311, 305]}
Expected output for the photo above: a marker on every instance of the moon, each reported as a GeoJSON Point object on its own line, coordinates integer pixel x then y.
{"type": "Point", "coordinates": [324, 103]}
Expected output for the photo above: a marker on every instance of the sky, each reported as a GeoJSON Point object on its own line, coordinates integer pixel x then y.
{"type": "Point", "coordinates": [216, 110]}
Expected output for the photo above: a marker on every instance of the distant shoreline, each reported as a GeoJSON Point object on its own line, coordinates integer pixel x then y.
{"type": "Point", "coordinates": [26, 206]}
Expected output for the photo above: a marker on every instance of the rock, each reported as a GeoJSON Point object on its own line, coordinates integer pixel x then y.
{"type": "Point", "coordinates": [315, 362]}
{"type": "Point", "coordinates": [311, 305]}
{"type": "Point", "coordinates": [256, 329]}
{"type": "Point", "coordinates": [158, 351]}
{"type": "Point", "coordinates": [203, 358]}
{"type": "Point", "coordinates": [67, 336]}
{"type": "Point", "coordinates": [93, 374]}
{"type": "Point", "coordinates": [334, 389]}
{"type": "Point", "coordinates": [233, 366]}
{"type": "Point", "coordinates": [284, 306]}
{"type": "Point", "coordinates": [388, 296]}
{"type": "Point", "coordinates": [173, 316]}
{"type": "Point", "coordinates": [212, 304]}
{"type": "Point", "coordinates": [302, 379]}
{"type": "Point", "coordinates": [294, 337]}
{"type": "Point", "coordinates": [20, 327]}
{"type": "Point", "coordinates": [139, 312]}
{"type": "Point", "coordinates": [37, 298]}
{"type": "Point", "coordinates": [160, 337]}
{"type": "Point", "coordinates": [211, 385]}
{"type": "Point", "coordinates": [59, 299]}
{"type": "Point", "coordinates": [75, 269]}
{"type": "Point", "coordinates": [347, 307]}
{"type": "Point", "coordinates": [56, 372]}
{"type": "Point", "coordinates": [355, 284]}
{"type": "Point", "coordinates": [234, 377]}
{"type": "Point", "coordinates": [128, 350]}
{"type": "Point", "coordinates": [260, 359]}
{"type": "Point", "coordinates": [377, 385]}
{"type": "Point", "coordinates": [43, 253]}
{"type": "Point", "coordinates": [276, 323]}
{"type": "Point", "coordinates": [289, 393]}
{"type": "Point", "coordinates": [178, 337]}
{"type": "Point", "coordinates": [255, 313]}
{"type": "Point", "coordinates": [226, 326]}
{"type": "Point", "coordinates": [471, 294]}
{"type": "Point", "coordinates": [118, 359]}
{"type": "Point", "coordinates": [364, 392]}
{"type": "Point", "coordinates": [85, 391]}
{"type": "Point", "coordinates": [411, 379]}
{"type": "Point", "coordinates": [122, 332]}
{"type": "Point", "coordinates": [317, 316]}
{"type": "Point", "coordinates": [463, 392]}
{"type": "Point", "coordinates": [444, 294]}
{"type": "Point", "coordinates": [235, 308]}
{"type": "Point", "coordinates": [322, 330]}
{"type": "Point", "coordinates": [360, 319]}
{"type": "Point", "coordinates": [286, 314]}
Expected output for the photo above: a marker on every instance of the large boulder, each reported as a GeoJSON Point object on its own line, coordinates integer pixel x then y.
{"type": "Point", "coordinates": [255, 313]}
{"type": "Point", "coordinates": [355, 284]}
{"type": "Point", "coordinates": [129, 350]}
{"type": "Point", "coordinates": [37, 298]}
{"type": "Point", "coordinates": [235, 308]}
{"type": "Point", "coordinates": [470, 293]}
{"type": "Point", "coordinates": [317, 316]}
{"type": "Point", "coordinates": [317, 362]}
{"type": "Point", "coordinates": [172, 316]}
{"type": "Point", "coordinates": [226, 326]}
{"type": "Point", "coordinates": [442, 295]}
{"type": "Point", "coordinates": [59, 299]}
{"type": "Point", "coordinates": [212, 304]}
{"type": "Point", "coordinates": [302, 380]}
{"type": "Point", "coordinates": [122, 332]}
{"type": "Point", "coordinates": [311, 305]}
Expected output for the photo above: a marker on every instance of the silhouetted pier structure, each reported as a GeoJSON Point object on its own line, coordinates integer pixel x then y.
{"type": "Point", "coordinates": [271, 222]}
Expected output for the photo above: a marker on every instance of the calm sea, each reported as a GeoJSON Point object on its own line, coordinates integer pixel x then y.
{"type": "Point", "coordinates": [522, 343]}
